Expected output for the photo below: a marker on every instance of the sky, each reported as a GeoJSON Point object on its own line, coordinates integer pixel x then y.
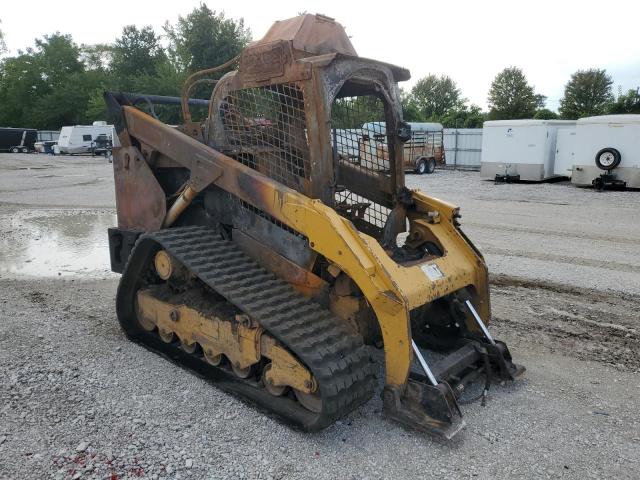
{"type": "Point", "coordinates": [471, 41]}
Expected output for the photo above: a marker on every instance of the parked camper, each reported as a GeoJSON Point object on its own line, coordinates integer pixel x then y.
{"type": "Point", "coordinates": [607, 151]}
{"type": "Point", "coordinates": [82, 138]}
{"type": "Point", "coordinates": [520, 149]}
{"type": "Point", "coordinates": [18, 140]}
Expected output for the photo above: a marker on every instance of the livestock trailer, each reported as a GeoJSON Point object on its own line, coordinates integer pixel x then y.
{"type": "Point", "coordinates": [422, 152]}
{"type": "Point", "coordinates": [18, 140]}
{"type": "Point", "coordinates": [607, 151]}
{"type": "Point", "coordinates": [520, 149]}
{"type": "Point", "coordinates": [81, 138]}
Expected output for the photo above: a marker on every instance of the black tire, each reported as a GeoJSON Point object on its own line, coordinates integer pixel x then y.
{"type": "Point", "coordinates": [598, 184]}
{"type": "Point", "coordinates": [431, 165]}
{"type": "Point", "coordinates": [421, 166]}
{"type": "Point", "coordinates": [24, 150]}
{"type": "Point", "coordinates": [608, 159]}
{"type": "Point", "coordinates": [15, 150]}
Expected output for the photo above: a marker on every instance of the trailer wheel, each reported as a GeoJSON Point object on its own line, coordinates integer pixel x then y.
{"type": "Point", "coordinates": [24, 150]}
{"type": "Point", "coordinates": [421, 166]}
{"type": "Point", "coordinates": [431, 165]}
{"type": "Point", "coordinates": [15, 150]}
{"type": "Point", "coordinates": [608, 158]}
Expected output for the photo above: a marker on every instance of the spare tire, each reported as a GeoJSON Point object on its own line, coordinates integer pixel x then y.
{"type": "Point", "coordinates": [608, 158]}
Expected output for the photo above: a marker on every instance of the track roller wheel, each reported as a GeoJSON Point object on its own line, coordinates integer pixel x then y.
{"type": "Point", "coordinates": [188, 347]}
{"type": "Point", "coordinates": [310, 401]}
{"type": "Point", "coordinates": [241, 372]}
{"type": "Point", "coordinates": [212, 358]}
{"type": "Point", "coordinates": [166, 336]}
{"type": "Point", "coordinates": [275, 390]}
{"type": "Point", "coordinates": [148, 325]}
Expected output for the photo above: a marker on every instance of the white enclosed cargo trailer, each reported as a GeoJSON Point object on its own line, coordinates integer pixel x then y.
{"type": "Point", "coordinates": [607, 151]}
{"type": "Point", "coordinates": [520, 149]}
{"type": "Point", "coordinates": [565, 152]}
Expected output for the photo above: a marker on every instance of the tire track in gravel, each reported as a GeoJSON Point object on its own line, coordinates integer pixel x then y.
{"type": "Point", "coordinates": [550, 257]}
{"type": "Point", "coordinates": [554, 233]}
{"type": "Point", "coordinates": [589, 325]}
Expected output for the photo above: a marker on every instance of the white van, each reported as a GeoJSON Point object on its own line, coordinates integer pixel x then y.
{"type": "Point", "coordinates": [607, 151]}
{"type": "Point", "coordinates": [81, 138]}
{"type": "Point", "coordinates": [520, 149]}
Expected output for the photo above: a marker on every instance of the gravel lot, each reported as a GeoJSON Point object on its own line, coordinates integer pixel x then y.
{"type": "Point", "coordinates": [77, 400]}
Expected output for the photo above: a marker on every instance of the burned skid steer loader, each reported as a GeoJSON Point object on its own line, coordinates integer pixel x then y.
{"type": "Point", "coordinates": [268, 245]}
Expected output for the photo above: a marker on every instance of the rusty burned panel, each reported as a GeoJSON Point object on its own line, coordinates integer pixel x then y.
{"type": "Point", "coordinates": [206, 164]}
{"type": "Point", "coordinates": [140, 201]}
{"type": "Point", "coordinates": [311, 35]}
{"type": "Point", "coordinates": [176, 145]}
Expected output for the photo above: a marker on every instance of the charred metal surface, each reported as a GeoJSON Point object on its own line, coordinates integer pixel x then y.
{"type": "Point", "coordinates": [270, 232]}
{"type": "Point", "coordinates": [431, 409]}
{"type": "Point", "coordinates": [300, 278]}
{"type": "Point", "coordinates": [197, 157]}
{"type": "Point", "coordinates": [283, 92]}
{"type": "Point", "coordinates": [199, 78]}
{"type": "Point", "coordinates": [140, 201]}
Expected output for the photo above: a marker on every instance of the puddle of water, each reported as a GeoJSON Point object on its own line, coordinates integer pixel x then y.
{"type": "Point", "coordinates": [56, 244]}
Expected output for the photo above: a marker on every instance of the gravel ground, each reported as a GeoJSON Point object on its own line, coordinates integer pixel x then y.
{"type": "Point", "coordinates": [77, 400]}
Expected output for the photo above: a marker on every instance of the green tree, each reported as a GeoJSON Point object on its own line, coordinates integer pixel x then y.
{"type": "Point", "coordinates": [136, 52]}
{"type": "Point", "coordinates": [410, 110]}
{"type": "Point", "coordinates": [353, 112]}
{"type": "Point", "coordinates": [436, 95]}
{"type": "Point", "coordinates": [545, 114]}
{"type": "Point", "coordinates": [205, 39]}
{"type": "Point", "coordinates": [463, 117]}
{"type": "Point", "coordinates": [587, 93]}
{"type": "Point", "coordinates": [97, 57]}
{"type": "Point", "coordinates": [46, 87]}
{"type": "Point", "coordinates": [511, 96]}
{"type": "Point", "coordinates": [21, 84]}
{"type": "Point", "coordinates": [627, 103]}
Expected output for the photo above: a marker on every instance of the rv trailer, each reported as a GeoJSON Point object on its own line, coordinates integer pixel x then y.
{"type": "Point", "coordinates": [79, 139]}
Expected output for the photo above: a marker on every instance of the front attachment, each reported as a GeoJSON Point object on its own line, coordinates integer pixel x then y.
{"type": "Point", "coordinates": [428, 408]}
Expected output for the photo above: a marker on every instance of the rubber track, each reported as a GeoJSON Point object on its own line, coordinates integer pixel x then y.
{"type": "Point", "coordinates": [337, 358]}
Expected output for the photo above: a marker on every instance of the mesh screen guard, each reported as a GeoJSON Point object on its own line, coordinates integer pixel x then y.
{"type": "Point", "coordinates": [360, 142]}
{"type": "Point", "coordinates": [266, 128]}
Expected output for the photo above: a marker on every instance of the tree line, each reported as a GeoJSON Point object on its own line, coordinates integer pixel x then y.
{"type": "Point", "coordinates": [588, 92]}
{"type": "Point", "coordinates": [58, 82]}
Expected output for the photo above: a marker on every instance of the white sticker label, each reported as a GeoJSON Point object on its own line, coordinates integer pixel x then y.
{"type": "Point", "coordinates": [432, 271]}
